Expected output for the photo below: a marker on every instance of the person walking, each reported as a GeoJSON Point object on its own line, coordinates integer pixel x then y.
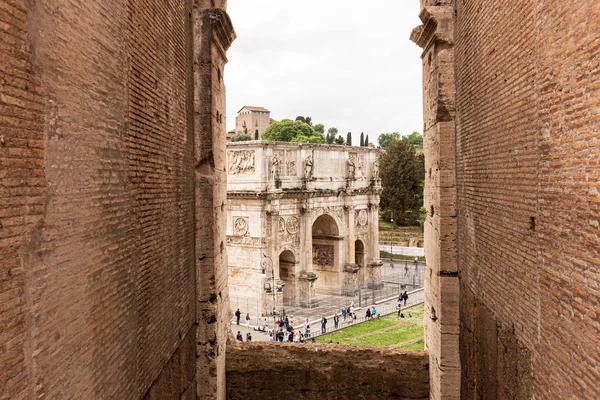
{"type": "Point", "coordinates": [323, 324]}
{"type": "Point", "coordinates": [405, 298]}
{"type": "Point", "coordinates": [247, 320]}
{"type": "Point", "coordinates": [344, 313]}
{"type": "Point", "coordinates": [368, 314]}
{"type": "Point", "coordinates": [238, 314]}
{"type": "Point", "coordinates": [373, 312]}
{"type": "Point", "coordinates": [307, 329]}
{"type": "Point", "coordinates": [336, 320]}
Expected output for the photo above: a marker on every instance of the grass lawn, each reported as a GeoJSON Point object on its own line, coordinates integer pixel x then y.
{"type": "Point", "coordinates": [390, 331]}
{"type": "Point", "coordinates": [386, 255]}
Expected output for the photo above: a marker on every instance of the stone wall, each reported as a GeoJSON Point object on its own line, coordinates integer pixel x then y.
{"type": "Point", "coordinates": [324, 372]}
{"type": "Point", "coordinates": [527, 184]}
{"type": "Point", "coordinates": [98, 283]}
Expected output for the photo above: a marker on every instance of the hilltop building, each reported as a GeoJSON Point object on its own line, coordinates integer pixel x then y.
{"type": "Point", "coordinates": [252, 121]}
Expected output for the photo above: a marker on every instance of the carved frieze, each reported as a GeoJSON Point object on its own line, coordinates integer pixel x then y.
{"type": "Point", "coordinates": [240, 226]}
{"type": "Point", "coordinates": [337, 211]}
{"type": "Point", "coordinates": [241, 162]}
{"type": "Point", "coordinates": [322, 255]}
{"type": "Point", "coordinates": [246, 241]}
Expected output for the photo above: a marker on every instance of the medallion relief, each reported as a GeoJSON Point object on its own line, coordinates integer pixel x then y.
{"type": "Point", "coordinates": [240, 226]}
{"type": "Point", "coordinates": [362, 217]}
{"type": "Point", "coordinates": [293, 225]}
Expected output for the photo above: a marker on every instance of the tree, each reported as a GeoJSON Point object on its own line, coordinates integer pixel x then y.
{"type": "Point", "coordinates": [349, 139]}
{"type": "Point", "coordinates": [367, 141]}
{"type": "Point", "coordinates": [241, 137]}
{"type": "Point", "coordinates": [402, 173]}
{"type": "Point", "coordinates": [415, 139]}
{"type": "Point", "coordinates": [292, 131]}
{"type": "Point", "coordinates": [307, 120]}
{"type": "Point", "coordinates": [331, 134]}
{"type": "Point", "coordinates": [362, 139]}
{"type": "Point", "coordinates": [319, 128]}
{"type": "Point", "coordinates": [339, 140]}
{"type": "Point", "coordinates": [256, 134]}
{"type": "Point", "coordinates": [385, 139]}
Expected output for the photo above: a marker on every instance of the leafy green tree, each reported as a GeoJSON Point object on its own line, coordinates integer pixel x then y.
{"type": "Point", "coordinates": [339, 140]}
{"type": "Point", "coordinates": [362, 139]}
{"type": "Point", "coordinates": [308, 120]}
{"type": "Point", "coordinates": [300, 118]}
{"type": "Point", "coordinates": [319, 128]}
{"type": "Point", "coordinates": [415, 139]}
{"type": "Point", "coordinates": [349, 139]}
{"type": "Point", "coordinates": [292, 131]}
{"type": "Point", "coordinates": [385, 139]}
{"type": "Point", "coordinates": [402, 173]}
{"type": "Point", "coordinates": [241, 137]}
{"type": "Point", "coordinates": [367, 140]}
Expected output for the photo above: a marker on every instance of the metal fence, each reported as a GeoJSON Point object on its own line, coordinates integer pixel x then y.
{"type": "Point", "coordinates": [402, 277]}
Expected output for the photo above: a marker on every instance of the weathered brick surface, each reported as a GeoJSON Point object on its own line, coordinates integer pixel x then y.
{"type": "Point", "coordinates": [496, 153]}
{"type": "Point", "coordinates": [527, 190]}
{"type": "Point", "coordinates": [527, 175]}
{"type": "Point", "coordinates": [567, 360]}
{"type": "Point", "coordinates": [325, 372]}
{"type": "Point", "coordinates": [22, 188]}
{"type": "Point", "coordinates": [97, 200]}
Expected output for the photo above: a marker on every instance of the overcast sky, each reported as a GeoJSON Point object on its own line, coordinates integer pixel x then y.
{"type": "Point", "coordinates": [340, 62]}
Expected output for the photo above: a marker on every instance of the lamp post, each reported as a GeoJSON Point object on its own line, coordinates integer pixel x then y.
{"type": "Point", "coordinates": [268, 262]}
{"type": "Point", "coordinates": [392, 244]}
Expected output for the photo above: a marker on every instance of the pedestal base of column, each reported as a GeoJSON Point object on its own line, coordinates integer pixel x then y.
{"type": "Point", "coordinates": [373, 277]}
{"type": "Point", "coordinates": [306, 282]}
{"type": "Point", "coordinates": [350, 285]}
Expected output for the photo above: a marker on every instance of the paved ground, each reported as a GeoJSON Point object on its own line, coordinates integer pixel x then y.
{"type": "Point", "coordinates": [393, 278]}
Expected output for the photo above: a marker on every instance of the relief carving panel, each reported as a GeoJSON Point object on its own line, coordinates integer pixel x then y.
{"type": "Point", "coordinates": [241, 162]}
{"type": "Point", "coordinates": [322, 255]}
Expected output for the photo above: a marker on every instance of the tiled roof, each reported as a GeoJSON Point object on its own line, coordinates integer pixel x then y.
{"type": "Point", "coordinates": [252, 108]}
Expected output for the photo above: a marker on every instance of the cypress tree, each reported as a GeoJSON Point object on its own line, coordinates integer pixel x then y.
{"type": "Point", "coordinates": [362, 139]}
{"type": "Point", "coordinates": [367, 140]}
{"type": "Point", "coordinates": [349, 139]}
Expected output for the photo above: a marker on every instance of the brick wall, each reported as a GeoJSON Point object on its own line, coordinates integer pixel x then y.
{"type": "Point", "coordinates": [567, 362]}
{"type": "Point", "coordinates": [496, 164]}
{"type": "Point", "coordinates": [98, 282]}
{"type": "Point", "coordinates": [22, 187]}
{"type": "Point", "coordinates": [325, 372]}
{"type": "Point", "coordinates": [527, 180]}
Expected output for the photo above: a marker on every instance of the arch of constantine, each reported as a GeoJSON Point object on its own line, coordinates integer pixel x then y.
{"type": "Point", "coordinates": [301, 219]}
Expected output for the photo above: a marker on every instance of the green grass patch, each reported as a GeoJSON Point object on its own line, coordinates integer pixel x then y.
{"type": "Point", "coordinates": [420, 345]}
{"type": "Point", "coordinates": [387, 331]}
{"type": "Point", "coordinates": [386, 255]}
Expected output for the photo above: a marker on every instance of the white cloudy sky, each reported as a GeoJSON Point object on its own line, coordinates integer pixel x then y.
{"type": "Point", "coordinates": [344, 63]}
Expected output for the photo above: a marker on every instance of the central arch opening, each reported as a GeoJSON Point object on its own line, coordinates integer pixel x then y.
{"type": "Point", "coordinates": [325, 253]}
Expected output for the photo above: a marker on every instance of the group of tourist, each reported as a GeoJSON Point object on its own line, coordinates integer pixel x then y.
{"type": "Point", "coordinates": [240, 338]}
{"type": "Point", "coordinates": [238, 314]}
